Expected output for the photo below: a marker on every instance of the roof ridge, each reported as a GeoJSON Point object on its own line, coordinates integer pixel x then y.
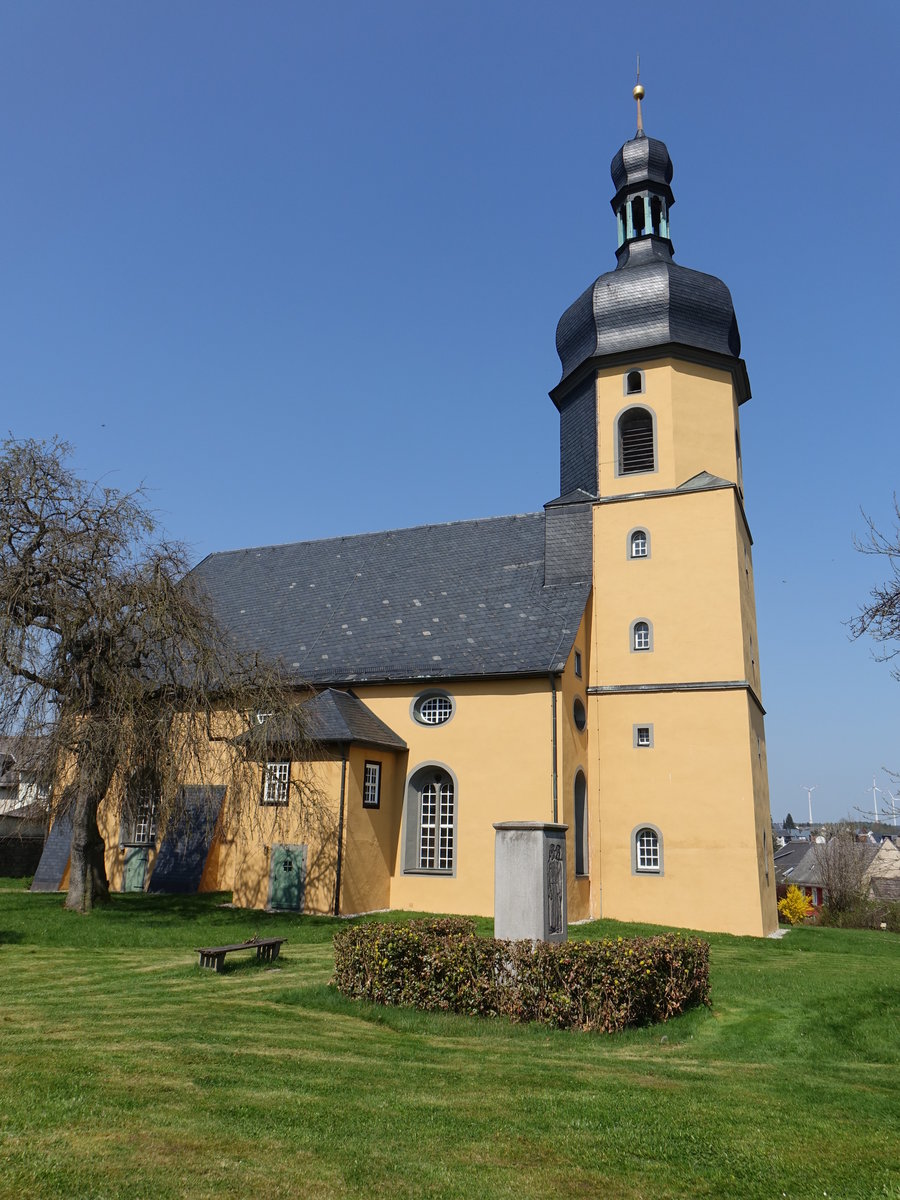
{"type": "Point", "coordinates": [346, 537]}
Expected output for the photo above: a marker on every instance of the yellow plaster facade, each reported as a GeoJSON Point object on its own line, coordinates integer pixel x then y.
{"type": "Point", "coordinates": [650, 748]}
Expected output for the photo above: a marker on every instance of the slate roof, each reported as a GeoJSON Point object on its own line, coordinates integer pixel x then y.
{"type": "Point", "coordinates": [333, 717]}
{"type": "Point", "coordinates": [787, 860]}
{"type": "Point", "coordinates": [647, 301]}
{"type": "Point", "coordinates": [465, 599]}
{"type": "Point", "coordinates": [641, 160]}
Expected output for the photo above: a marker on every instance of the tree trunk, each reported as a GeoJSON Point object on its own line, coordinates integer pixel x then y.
{"type": "Point", "coordinates": [88, 884]}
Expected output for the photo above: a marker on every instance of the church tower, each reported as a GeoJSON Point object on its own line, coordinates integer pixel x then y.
{"type": "Point", "coordinates": [649, 402]}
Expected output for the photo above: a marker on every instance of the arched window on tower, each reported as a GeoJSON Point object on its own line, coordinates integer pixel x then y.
{"type": "Point", "coordinates": [636, 449]}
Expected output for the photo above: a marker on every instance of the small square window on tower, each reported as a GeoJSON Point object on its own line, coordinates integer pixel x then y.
{"type": "Point", "coordinates": [643, 736]}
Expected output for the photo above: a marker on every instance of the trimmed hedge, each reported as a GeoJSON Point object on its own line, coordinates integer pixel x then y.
{"type": "Point", "coordinates": [442, 965]}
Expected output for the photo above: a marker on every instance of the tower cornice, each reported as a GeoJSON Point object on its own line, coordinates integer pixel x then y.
{"type": "Point", "coordinates": [736, 367]}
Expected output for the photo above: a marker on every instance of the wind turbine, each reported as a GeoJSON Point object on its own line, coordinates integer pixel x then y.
{"type": "Point", "coordinates": [809, 791]}
{"type": "Point", "coordinates": [875, 799]}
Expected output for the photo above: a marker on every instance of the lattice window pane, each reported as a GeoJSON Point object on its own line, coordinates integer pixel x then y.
{"type": "Point", "coordinates": [445, 851]}
{"type": "Point", "coordinates": [642, 636]}
{"type": "Point", "coordinates": [648, 850]}
{"type": "Point", "coordinates": [371, 784]}
{"type": "Point", "coordinates": [144, 830]}
{"type": "Point", "coordinates": [435, 710]}
{"type": "Point", "coordinates": [277, 784]}
{"type": "Point", "coordinates": [428, 827]}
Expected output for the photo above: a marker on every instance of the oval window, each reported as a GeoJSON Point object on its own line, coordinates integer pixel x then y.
{"type": "Point", "coordinates": [578, 713]}
{"type": "Point", "coordinates": [433, 708]}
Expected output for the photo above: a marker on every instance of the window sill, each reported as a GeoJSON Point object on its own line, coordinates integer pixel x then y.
{"type": "Point", "coordinates": [444, 872]}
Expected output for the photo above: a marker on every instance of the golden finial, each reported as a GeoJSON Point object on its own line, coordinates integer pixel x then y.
{"type": "Point", "coordinates": [638, 93]}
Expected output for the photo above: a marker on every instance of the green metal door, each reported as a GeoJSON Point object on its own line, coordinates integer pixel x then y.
{"type": "Point", "coordinates": [287, 877]}
{"type": "Point", "coordinates": [135, 869]}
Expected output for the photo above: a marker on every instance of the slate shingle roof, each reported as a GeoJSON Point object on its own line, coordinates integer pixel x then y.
{"type": "Point", "coordinates": [647, 301]}
{"type": "Point", "coordinates": [465, 599]}
{"type": "Point", "coordinates": [335, 717]}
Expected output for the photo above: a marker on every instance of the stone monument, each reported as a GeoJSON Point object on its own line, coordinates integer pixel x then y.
{"type": "Point", "coordinates": [530, 881]}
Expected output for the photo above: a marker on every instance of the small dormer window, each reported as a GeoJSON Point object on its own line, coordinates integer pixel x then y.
{"type": "Point", "coordinates": [634, 383]}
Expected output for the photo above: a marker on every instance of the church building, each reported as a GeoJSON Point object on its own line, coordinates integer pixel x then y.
{"type": "Point", "coordinates": [594, 663]}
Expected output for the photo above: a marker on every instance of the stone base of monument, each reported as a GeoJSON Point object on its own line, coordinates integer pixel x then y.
{"type": "Point", "coordinates": [530, 881]}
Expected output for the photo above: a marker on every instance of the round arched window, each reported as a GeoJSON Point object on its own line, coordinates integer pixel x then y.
{"type": "Point", "coordinates": [433, 708]}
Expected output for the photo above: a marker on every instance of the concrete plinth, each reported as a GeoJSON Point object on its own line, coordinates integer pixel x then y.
{"type": "Point", "coordinates": [530, 881]}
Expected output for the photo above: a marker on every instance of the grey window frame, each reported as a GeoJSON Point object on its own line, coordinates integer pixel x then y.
{"type": "Point", "coordinates": [638, 745]}
{"type": "Point", "coordinates": [580, 836]}
{"type": "Point", "coordinates": [629, 544]}
{"type": "Point", "coordinates": [635, 835]}
{"type": "Point", "coordinates": [617, 440]}
{"type": "Point", "coordinates": [626, 390]}
{"type": "Point", "coordinates": [412, 821]}
{"type": "Point", "coordinates": [415, 708]}
{"type": "Point", "coordinates": [632, 629]}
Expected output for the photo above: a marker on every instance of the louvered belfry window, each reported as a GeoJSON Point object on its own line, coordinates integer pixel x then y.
{"type": "Point", "coordinates": [636, 442]}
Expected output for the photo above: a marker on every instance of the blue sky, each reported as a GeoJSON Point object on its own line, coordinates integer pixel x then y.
{"type": "Point", "coordinates": [297, 268]}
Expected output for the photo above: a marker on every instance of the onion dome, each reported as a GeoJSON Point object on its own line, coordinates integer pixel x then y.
{"type": "Point", "coordinates": [648, 301]}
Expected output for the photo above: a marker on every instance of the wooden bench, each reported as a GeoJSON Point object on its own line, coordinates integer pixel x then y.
{"type": "Point", "coordinates": [267, 950]}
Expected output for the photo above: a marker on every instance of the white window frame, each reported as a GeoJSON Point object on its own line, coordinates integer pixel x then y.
{"type": "Point", "coordinates": [646, 850]}
{"type": "Point", "coordinates": [638, 537]}
{"type": "Point", "coordinates": [140, 817]}
{"type": "Point", "coordinates": [637, 731]}
{"type": "Point", "coordinates": [433, 708]}
{"type": "Point", "coordinates": [276, 783]}
{"type": "Point", "coordinates": [431, 814]}
{"type": "Point", "coordinates": [641, 639]}
{"type": "Point", "coordinates": [372, 784]}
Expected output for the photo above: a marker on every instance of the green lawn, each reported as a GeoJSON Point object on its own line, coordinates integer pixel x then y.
{"type": "Point", "coordinates": [127, 1072]}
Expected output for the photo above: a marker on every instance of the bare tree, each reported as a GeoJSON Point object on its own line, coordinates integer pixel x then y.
{"type": "Point", "coordinates": [880, 616]}
{"type": "Point", "coordinates": [841, 864]}
{"type": "Point", "coordinates": [109, 650]}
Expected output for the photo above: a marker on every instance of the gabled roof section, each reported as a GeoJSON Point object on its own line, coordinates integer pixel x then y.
{"type": "Point", "coordinates": [338, 717]}
{"type": "Point", "coordinates": [702, 481]}
{"type": "Point", "coordinates": [460, 600]}
{"type": "Point", "coordinates": [578, 496]}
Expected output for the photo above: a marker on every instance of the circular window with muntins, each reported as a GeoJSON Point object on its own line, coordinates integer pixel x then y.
{"type": "Point", "coordinates": [433, 708]}
{"type": "Point", "coordinates": [578, 714]}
